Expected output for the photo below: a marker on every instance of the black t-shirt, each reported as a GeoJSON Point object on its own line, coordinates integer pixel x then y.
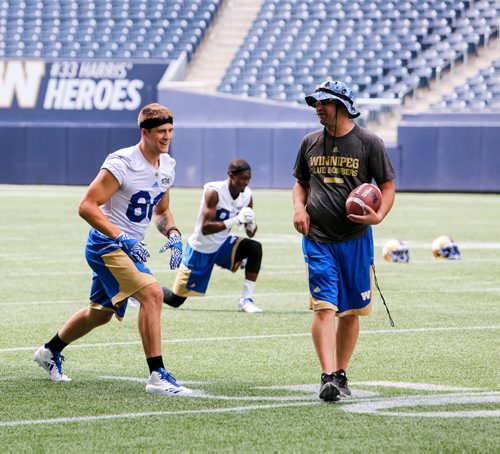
{"type": "Point", "coordinates": [333, 171]}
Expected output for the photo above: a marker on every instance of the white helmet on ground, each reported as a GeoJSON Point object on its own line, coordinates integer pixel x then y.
{"type": "Point", "coordinates": [443, 247]}
{"type": "Point", "coordinates": [395, 251]}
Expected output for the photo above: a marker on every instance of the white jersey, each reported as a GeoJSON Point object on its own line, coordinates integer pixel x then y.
{"type": "Point", "coordinates": [141, 188]}
{"type": "Point", "coordinates": [226, 208]}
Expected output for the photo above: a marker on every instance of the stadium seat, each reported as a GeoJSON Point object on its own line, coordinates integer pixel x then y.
{"type": "Point", "coordinates": [381, 48]}
{"type": "Point", "coordinates": [59, 24]}
{"type": "Point", "coordinates": [481, 91]}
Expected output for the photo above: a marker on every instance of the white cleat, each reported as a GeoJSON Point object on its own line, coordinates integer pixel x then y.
{"type": "Point", "coordinates": [133, 302]}
{"type": "Point", "coordinates": [163, 382]}
{"type": "Point", "coordinates": [247, 305]}
{"type": "Point", "coordinates": [52, 363]}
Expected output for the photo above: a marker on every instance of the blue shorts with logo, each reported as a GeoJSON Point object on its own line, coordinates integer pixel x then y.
{"type": "Point", "coordinates": [196, 268]}
{"type": "Point", "coordinates": [340, 274]}
{"type": "Point", "coordinates": [115, 275]}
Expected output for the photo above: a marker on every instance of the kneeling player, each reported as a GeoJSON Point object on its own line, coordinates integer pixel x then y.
{"type": "Point", "coordinates": [224, 204]}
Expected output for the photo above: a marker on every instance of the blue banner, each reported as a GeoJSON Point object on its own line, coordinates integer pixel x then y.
{"type": "Point", "coordinates": [76, 91]}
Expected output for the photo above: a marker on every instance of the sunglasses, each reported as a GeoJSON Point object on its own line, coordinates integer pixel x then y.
{"type": "Point", "coordinates": [324, 102]}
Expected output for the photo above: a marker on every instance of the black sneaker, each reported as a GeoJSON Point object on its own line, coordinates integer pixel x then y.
{"type": "Point", "coordinates": [340, 380]}
{"type": "Point", "coordinates": [328, 390]}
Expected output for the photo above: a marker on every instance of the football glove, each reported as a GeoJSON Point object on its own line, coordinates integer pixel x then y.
{"type": "Point", "coordinates": [134, 248]}
{"type": "Point", "coordinates": [251, 226]}
{"type": "Point", "coordinates": [175, 244]}
{"type": "Point", "coordinates": [244, 216]}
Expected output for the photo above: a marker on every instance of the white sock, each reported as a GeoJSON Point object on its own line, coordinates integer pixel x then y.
{"type": "Point", "coordinates": [248, 288]}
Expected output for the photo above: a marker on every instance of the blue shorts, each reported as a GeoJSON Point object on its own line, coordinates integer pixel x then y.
{"type": "Point", "coordinates": [340, 274]}
{"type": "Point", "coordinates": [196, 267]}
{"type": "Point", "coordinates": [116, 276]}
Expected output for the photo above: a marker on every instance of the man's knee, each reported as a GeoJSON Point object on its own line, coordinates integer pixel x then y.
{"type": "Point", "coordinates": [255, 249]}
{"type": "Point", "coordinates": [348, 320]}
{"type": "Point", "coordinates": [99, 317]}
{"type": "Point", "coordinates": [171, 299]}
{"type": "Point", "coordinates": [325, 315]}
{"type": "Point", "coordinates": [150, 296]}
{"type": "Point", "coordinates": [252, 251]}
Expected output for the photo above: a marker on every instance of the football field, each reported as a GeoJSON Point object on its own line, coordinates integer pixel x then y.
{"type": "Point", "coordinates": [430, 384]}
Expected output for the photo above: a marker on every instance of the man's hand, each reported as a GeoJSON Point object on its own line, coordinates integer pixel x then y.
{"type": "Point", "coordinates": [370, 218]}
{"type": "Point", "coordinates": [251, 229]}
{"type": "Point", "coordinates": [246, 215]}
{"type": "Point", "coordinates": [301, 221]}
{"type": "Point", "coordinates": [175, 244]}
{"type": "Point", "coordinates": [134, 248]}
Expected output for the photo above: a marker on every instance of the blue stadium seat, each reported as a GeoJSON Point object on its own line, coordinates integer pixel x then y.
{"type": "Point", "coordinates": [480, 92]}
{"type": "Point", "coordinates": [105, 22]}
{"type": "Point", "coordinates": [383, 48]}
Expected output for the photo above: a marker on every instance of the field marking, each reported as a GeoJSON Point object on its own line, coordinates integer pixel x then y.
{"type": "Point", "coordinates": [268, 238]}
{"type": "Point", "coordinates": [269, 270]}
{"type": "Point", "coordinates": [154, 413]}
{"type": "Point", "coordinates": [370, 404]}
{"type": "Point", "coordinates": [415, 386]}
{"type": "Point", "coordinates": [263, 336]}
{"type": "Point", "coordinates": [232, 296]}
{"type": "Point", "coordinates": [274, 238]}
{"type": "Point", "coordinates": [379, 384]}
{"type": "Point", "coordinates": [143, 380]}
{"type": "Point", "coordinates": [278, 272]}
{"type": "Point", "coordinates": [310, 392]}
{"type": "Point", "coordinates": [479, 245]}
{"type": "Point", "coordinates": [380, 407]}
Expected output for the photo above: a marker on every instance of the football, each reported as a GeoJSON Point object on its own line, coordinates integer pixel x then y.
{"type": "Point", "coordinates": [361, 196]}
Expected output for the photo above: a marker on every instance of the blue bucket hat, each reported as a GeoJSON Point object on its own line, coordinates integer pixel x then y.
{"type": "Point", "coordinates": [334, 89]}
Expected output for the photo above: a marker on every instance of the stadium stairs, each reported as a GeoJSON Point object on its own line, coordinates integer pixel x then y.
{"type": "Point", "coordinates": [222, 40]}
{"type": "Point", "coordinates": [424, 97]}
{"type": "Point", "coordinates": [234, 21]}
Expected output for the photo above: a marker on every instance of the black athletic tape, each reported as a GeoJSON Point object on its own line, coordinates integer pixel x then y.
{"type": "Point", "coordinates": [154, 122]}
{"type": "Point", "coordinates": [237, 169]}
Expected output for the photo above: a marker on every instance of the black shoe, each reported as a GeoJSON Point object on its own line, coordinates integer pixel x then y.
{"type": "Point", "coordinates": [328, 390]}
{"type": "Point", "coordinates": [340, 380]}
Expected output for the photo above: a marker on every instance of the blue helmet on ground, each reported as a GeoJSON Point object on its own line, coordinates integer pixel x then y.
{"type": "Point", "coordinates": [396, 251]}
{"type": "Point", "coordinates": [334, 89]}
{"type": "Point", "coordinates": [443, 247]}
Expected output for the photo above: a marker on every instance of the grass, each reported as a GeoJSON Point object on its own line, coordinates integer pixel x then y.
{"type": "Point", "coordinates": [256, 377]}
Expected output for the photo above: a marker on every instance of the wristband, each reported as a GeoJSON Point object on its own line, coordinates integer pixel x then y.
{"type": "Point", "coordinates": [172, 228]}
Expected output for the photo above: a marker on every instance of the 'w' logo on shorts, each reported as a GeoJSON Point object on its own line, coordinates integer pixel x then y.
{"type": "Point", "coordinates": [365, 295]}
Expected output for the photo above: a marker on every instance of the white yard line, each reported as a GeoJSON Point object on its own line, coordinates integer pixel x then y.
{"type": "Point", "coordinates": [232, 296]}
{"type": "Point", "coordinates": [222, 296]}
{"type": "Point", "coordinates": [415, 386]}
{"type": "Point", "coordinates": [383, 407]}
{"type": "Point", "coordinates": [153, 413]}
{"type": "Point", "coordinates": [367, 405]}
{"type": "Point", "coordinates": [264, 336]}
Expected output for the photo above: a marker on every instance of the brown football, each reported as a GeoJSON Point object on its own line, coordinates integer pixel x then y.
{"type": "Point", "coordinates": [365, 194]}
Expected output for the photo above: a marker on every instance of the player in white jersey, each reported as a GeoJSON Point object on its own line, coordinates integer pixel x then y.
{"type": "Point", "coordinates": [224, 204]}
{"type": "Point", "coordinates": [132, 186]}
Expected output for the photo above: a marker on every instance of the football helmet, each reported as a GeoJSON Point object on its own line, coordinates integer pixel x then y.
{"type": "Point", "coordinates": [443, 247]}
{"type": "Point", "coordinates": [395, 251]}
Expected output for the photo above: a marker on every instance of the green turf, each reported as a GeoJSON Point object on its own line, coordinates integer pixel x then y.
{"type": "Point", "coordinates": [446, 335]}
